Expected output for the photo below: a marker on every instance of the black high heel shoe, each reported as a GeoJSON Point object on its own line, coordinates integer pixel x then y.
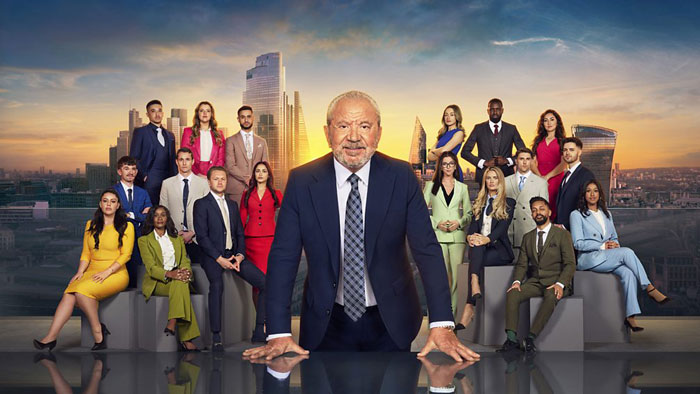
{"type": "Point", "coordinates": [41, 345]}
{"type": "Point", "coordinates": [102, 345]}
{"type": "Point", "coordinates": [633, 328]}
{"type": "Point", "coordinates": [183, 348]}
{"type": "Point", "coordinates": [168, 331]}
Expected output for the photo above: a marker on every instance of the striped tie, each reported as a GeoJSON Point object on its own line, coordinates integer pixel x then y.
{"type": "Point", "coordinates": [354, 255]}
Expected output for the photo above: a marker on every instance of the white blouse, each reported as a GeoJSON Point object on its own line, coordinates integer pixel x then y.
{"type": "Point", "coordinates": [205, 145]}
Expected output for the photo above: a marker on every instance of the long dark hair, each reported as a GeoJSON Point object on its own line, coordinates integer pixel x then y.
{"type": "Point", "coordinates": [98, 220]}
{"type": "Point", "coordinates": [583, 204]}
{"type": "Point", "coordinates": [196, 125]}
{"type": "Point", "coordinates": [149, 226]}
{"type": "Point", "coordinates": [437, 178]}
{"type": "Point", "coordinates": [253, 184]}
{"type": "Point", "coordinates": [541, 133]}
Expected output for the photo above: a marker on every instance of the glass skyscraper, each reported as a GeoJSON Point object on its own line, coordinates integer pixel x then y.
{"type": "Point", "coordinates": [598, 151]}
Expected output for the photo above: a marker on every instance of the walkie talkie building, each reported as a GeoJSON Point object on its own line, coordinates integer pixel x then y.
{"type": "Point", "coordinates": [598, 151]}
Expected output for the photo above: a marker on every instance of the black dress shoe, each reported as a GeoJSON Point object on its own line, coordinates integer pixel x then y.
{"type": "Point", "coordinates": [458, 327]}
{"type": "Point", "coordinates": [102, 345]}
{"type": "Point", "coordinates": [508, 345]}
{"type": "Point", "coordinates": [217, 347]}
{"type": "Point", "coordinates": [529, 345]}
{"type": "Point", "coordinates": [41, 345]}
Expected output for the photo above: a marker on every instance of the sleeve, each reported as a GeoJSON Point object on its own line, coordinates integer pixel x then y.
{"type": "Point", "coordinates": [265, 152]}
{"type": "Point", "coordinates": [163, 196]}
{"type": "Point", "coordinates": [518, 141]}
{"type": "Point", "coordinates": [185, 261]}
{"type": "Point", "coordinates": [231, 165]}
{"type": "Point", "coordinates": [136, 151]}
{"type": "Point", "coordinates": [153, 269]}
{"type": "Point", "coordinates": [568, 260]}
{"type": "Point", "coordinates": [201, 228]}
{"type": "Point", "coordinates": [221, 155]}
{"type": "Point", "coordinates": [140, 217]}
{"type": "Point", "coordinates": [521, 264]}
{"type": "Point", "coordinates": [613, 235]}
{"type": "Point", "coordinates": [428, 195]}
{"type": "Point", "coordinates": [580, 242]}
{"type": "Point", "coordinates": [127, 245]}
{"type": "Point", "coordinates": [240, 237]}
{"type": "Point", "coordinates": [466, 209]}
{"type": "Point", "coordinates": [244, 211]}
{"type": "Point", "coordinates": [469, 146]}
{"type": "Point", "coordinates": [185, 142]}
{"type": "Point", "coordinates": [501, 228]}
{"type": "Point", "coordinates": [85, 255]}
{"type": "Point", "coordinates": [473, 226]}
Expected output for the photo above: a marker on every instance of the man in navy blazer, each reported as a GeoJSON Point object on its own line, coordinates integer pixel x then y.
{"type": "Point", "coordinates": [136, 202]}
{"type": "Point", "coordinates": [153, 147]}
{"type": "Point", "coordinates": [575, 177]}
{"type": "Point", "coordinates": [222, 246]}
{"type": "Point", "coordinates": [352, 211]}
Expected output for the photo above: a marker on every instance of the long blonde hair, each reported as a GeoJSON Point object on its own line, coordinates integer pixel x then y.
{"type": "Point", "coordinates": [212, 124]}
{"type": "Point", "coordinates": [499, 204]}
{"type": "Point", "coordinates": [458, 119]}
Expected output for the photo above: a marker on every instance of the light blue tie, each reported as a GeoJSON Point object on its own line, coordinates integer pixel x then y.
{"type": "Point", "coordinates": [521, 183]}
{"type": "Point", "coordinates": [354, 255]}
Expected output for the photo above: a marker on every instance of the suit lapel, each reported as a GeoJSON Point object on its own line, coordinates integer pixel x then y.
{"type": "Point", "coordinates": [513, 185]}
{"type": "Point", "coordinates": [379, 193]}
{"type": "Point", "coordinates": [489, 136]}
{"type": "Point", "coordinates": [441, 195]}
{"type": "Point", "coordinates": [156, 247]}
{"type": "Point", "coordinates": [552, 233]}
{"type": "Point", "coordinates": [241, 144]}
{"type": "Point", "coordinates": [324, 197]}
{"type": "Point", "coordinates": [590, 219]}
{"type": "Point", "coordinates": [534, 246]}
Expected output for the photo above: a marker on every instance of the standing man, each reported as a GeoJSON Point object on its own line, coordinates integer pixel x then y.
{"type": "Point", "coordinates": [153, 147]}
{"type": "Point", "coordinates": [178, 194]}
{"type": "Point", "coordinates": [521, 187]}
{"type": "Point", "coordinates": [217, 224]}
{"type": "Point", "coordinates": [136, 203]}
{"type": "Point", "coordinates": [352, 211]}
{"type": "Point", "coordinates": [495, 140]}
{"type": "Point", "coordinates": [575, 177]}
{"type": "Point", "coordinates": [243, 150]}
{"type": "Point", "coordinates": [547, 253]}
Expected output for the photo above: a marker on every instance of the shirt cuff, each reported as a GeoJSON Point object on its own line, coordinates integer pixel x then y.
{"type": "Point", "coordinates": [560, 284]}
{"type": "Point", "coordinates": [278, 375]}
{"type": "Point", "coordinates": [131, 215]}
{"type": "Point", "coordinates": [448, 389]}
{"type": "Point", "coordinates": [510, 161]}
{"type": "Point", "coordinates": [480, 164]}
{"type": "Point", "coordinates": [442, 324]}
{"type": "Point", "coordinates": [274, 336]}
{"type": "Point", "coordinates": [514, 282]}
{"type": "Point", "coordinates": [602, 247]}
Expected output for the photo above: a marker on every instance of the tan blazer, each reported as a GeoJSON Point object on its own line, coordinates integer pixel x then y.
{"type": "Point", "coordinates": [239, 168]}
{"type": "Point", "coordinates": [535, 186]}
{"type": "Point", "coordinates": [440, 211]}
{"type": "Point", "coordinates": [171, 198]}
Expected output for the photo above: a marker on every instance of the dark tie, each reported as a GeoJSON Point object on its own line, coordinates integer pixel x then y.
{"type": "Point", "coordinates": [354, 254]}
{"type": "Point", "coordinates": [540, 243]}
{"type": "Point", "coordinates": [185, 194]}
{"type": "Point", "coordinates": [566, 176]}
{"type": "Point", "coordinates": [489, 206]}
{"type": "Point", "coordinates": [130, 198]}
{"type": "Point", "coordinates": [495, 129]}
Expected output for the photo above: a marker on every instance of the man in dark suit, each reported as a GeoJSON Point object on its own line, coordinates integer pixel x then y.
{"type": "Point", "coordinates": [495, 139]}
{"type": "Point", "coordinates": [575, 177]}
{"type": "Point", "coordinates": [352, 211]}
{"type": "Point", "coordinates": [547, 257]}
{"type": "Point", "coordinates": [217, 224]}
{"type": "Point", "coordinates": [153, 147]}
{"type": "Point", "coordinates": [136, 202]}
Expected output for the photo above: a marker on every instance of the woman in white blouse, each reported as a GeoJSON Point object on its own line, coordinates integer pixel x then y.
{"type": "Point", "coordinates": [595, 239]}
{"type": "Point", "coordinates": [204, 140]}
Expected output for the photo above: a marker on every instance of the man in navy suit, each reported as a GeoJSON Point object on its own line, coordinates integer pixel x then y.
{"type": "Point", "coordinates": [153, 147]}
{"type": "Point", "coordinates": [352, 211]}
{"type": "Point", "coordinates": [217, 223]}
{"type": "Point", "coordinates": [575, 177]}
{"type": "Point", "coordinates": [136, 202]}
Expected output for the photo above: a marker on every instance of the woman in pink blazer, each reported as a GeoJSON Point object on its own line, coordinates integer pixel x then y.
{"type": "Point", "coordinates": [204, 140]}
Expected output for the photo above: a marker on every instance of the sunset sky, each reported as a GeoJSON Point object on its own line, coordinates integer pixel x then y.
{"type": "Point", "coordinates": [69, 71]}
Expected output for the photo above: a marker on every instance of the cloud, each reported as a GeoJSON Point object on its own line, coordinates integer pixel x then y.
{"type": "Point", "coordinates": [559, 44]}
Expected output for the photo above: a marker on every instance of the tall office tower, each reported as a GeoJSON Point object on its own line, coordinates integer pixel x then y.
{"type": "Point", "coordinates": [97, 176]}
{"type": "Point", "coordinates": [598, 151]}
{"type": "Point", "coordinates": [264, 92]}
{"type": "Point", "coordinates": [134, 122]}
{"type": "Point", "coordinates": [173, 125]}
{"type": "Point", "coordinates": [77, 172]}
{"type": "Point", "coordinates": [290, 147]}
{"type": "Point", "coordinates": [180, 113]}
{"type": "Point", "coordinates": [113, 158]}
{"type": "Point", "coordinates": [123, 144]}
{"type": "Point", "coordinates": [418, 144]}
{"type": "Point", "coordinates": [301, 140]}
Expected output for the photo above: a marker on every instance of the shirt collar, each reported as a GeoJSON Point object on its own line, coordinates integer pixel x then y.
{"type": "Point", "coordinates": [572, 169]}
{"type": "Point", "coordinates": [154, 127]}
{"type": "Point", "coordinates": [216, 196]}
{"type": "Point", "coordinates": [247, 133]}
{"type": "Point", "coordinates": [527, 174]}
{"type": "Point", "coordinates": [158, 237]}
{"type": "Point", "coordinates": [500, 125]}
{"type": "Point", "coordinates": [125, 186]}
{"type": "Point", "coordinates": [188, 177]}
{"type": "Point", "coordinates": [342, 174]}
{"type": "Point", "coordinates": [546, 229]}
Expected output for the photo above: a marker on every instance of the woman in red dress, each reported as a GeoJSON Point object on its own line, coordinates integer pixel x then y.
{"type": "Point", "coordinates": [547, 147]}
{"type": "Point", "coordinates": [258, 206]}
{"type": "Point", "coordinates": [205, 140]}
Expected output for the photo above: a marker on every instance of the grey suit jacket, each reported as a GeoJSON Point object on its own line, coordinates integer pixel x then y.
{"type": "Point", "coordinates": [171, 198]}
{"type": "Point", "coordinates": [238, 167]}
{"type": "Point", "coordinates": [535, 186]}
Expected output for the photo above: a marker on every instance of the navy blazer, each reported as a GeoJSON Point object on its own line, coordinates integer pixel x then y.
{"type": "Point", "coordinates": [482, 136]}
{"type": "Point", "coordinates": [211, 230]}
{"type": "Point", "coordinates": [309, 219]}
{"type": "Point", "coordinates": [141, 201]}
{"type": "Point", "coordinates": [569, 195]}
{"type": "Point", "coordinates": [143, 150]}
{"type": "Point", "coordinates": [499, 231]}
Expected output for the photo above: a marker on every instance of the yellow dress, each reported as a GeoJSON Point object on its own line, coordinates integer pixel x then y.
{"type": "Point", "coordinates": [100, 259]}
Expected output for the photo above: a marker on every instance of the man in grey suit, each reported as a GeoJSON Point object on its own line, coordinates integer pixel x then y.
{"type": "Point", "coordinates": [243, 150]}
{"type": "Point", "coordinates": [521, 187]}
{"type": "Point", "coordinates": [495, 140]}
{"type": "Point", "coordinates": [178, 194]}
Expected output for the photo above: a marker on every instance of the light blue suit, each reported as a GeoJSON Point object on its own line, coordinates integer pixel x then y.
{"type": "Point", "coordinates": [588, 239]}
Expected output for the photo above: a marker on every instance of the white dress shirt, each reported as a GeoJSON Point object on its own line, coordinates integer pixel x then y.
{"type": "Point", "coordinates": [487, 219]}
{"type": "Point", "coordinates": [133, 195]}
{"type": "Point", "coordinates": [492, 125]}
{"type": "Point", "coordinates": [166, 247]}
{"type": "Point", "coordinates": [205, 145]}
{"type": "Point", "coordinates": [544, 241]}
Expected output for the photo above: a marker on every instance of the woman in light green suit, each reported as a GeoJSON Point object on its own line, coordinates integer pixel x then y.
{"type": "Point", "coordinates": [447, 196]}
{"type": "Point", "coordinates": [168, 273]}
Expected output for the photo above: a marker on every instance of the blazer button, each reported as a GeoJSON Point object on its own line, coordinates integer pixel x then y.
{"type": "Point", "coordinates": [328, 312]}
{"type": "Point", "coordinates": [260, 205]}
{"type": "Point", "coordinates": [259, 211]}
{"type": "Point", "coordinates": [334, 284]}
{"type": "Point", "coordinates": [259, 224]}
{"type": "Point", "coordinates": [259, 217]}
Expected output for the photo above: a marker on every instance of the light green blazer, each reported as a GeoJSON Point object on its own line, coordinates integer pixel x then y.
{"type": "Point", "coordinates": [152, 257]}
{"type": "Point", "coordinates": [442, 212]}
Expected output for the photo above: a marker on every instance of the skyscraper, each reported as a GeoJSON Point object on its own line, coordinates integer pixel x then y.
{"type": "Point", "coordinates": [598, 151]}
{"type": "Point", "coordinates": [301, 140]}
{"type": "Point", "coordinates": [181, 114]}
{"type": "Point", "coordinates": [97, 176]}
{"type": "Point", "coordinates": [417, 153]}
{"type": "Point", "coordinates": [113, 158]}
{"type": "Point", "coordinates": [173, 125]}
{"type": "Point", "coordinates": [123, 144]}
{"type": "Point", "coordinates": [134, 122]}
{"type": "Point", "coordinates": [264, 92]}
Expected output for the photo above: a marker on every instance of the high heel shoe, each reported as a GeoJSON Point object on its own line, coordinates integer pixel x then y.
{"type": "Point", "coordinates": [653, 289]}
{"type": "Point", "coordinates": [477, 296]}
{"type": "Point", "coordinates": [183, 348]}
{"type": "Point", "coordinates": [102, 345]}
{"type": "Point", "coordinates": [633, 328]}
{"type": "Point", "coordinates": [41, 345]}
{"type": "Point", "coordinates": [168, 331]}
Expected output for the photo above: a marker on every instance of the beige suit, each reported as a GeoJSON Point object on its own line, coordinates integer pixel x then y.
{"type": "Point", "coordinates": [535, 186]}
{"type": "Point", "coordinates": [238, 167]}
{"type": "Point", "coordinates": [171, 198]}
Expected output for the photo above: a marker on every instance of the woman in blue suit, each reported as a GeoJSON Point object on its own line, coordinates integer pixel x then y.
{"type": "Point", "coordinates": [599, 250]}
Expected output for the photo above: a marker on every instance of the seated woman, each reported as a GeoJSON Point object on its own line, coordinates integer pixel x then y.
{"type": "Point", "coordinates": [107, 244]}
{"type": "Point", "coordinates": [487, 236]}
{"type": "Point", "coordinates": [595, 239]}
{"type": "Point", "coordinates": [447, 196]}
{"type": "Point", "coordinates": [168, 273]}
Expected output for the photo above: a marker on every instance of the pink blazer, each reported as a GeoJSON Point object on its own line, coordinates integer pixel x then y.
{"type": "Point", "coordinates": [217, 157]}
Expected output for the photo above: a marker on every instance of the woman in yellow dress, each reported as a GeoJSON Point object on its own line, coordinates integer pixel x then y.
{"type": "Point", "coordinates": [107, 245]}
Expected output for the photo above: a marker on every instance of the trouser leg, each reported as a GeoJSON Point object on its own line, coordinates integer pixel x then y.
{"type": "Point", "coordinates": [629, 286]}
{"type": "Point", "coordinates": [513, 300]}
{"type": "Point", "coordinates": [549, 302]}
{"type": "Point", "coordinates": [253, 275]}
{"type": "Point", "coordinates": [179, 307]}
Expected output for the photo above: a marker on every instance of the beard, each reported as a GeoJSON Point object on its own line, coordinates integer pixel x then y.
{"type": "Point", "coordinates": [540, 220]}
{"type": "Point", "coordinates": [353, 162]}
{"type": "Point", "coordinates": [246, 128]}
{"type": "Point", "coordinates": [495, 119]}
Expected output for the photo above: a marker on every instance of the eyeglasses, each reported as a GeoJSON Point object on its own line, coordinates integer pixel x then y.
{"type": "Point", "coordinates": [448, 165]}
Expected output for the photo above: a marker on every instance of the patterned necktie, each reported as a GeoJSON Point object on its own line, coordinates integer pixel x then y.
{"type": "Point", "coordinates": [522, 182]}
{"type": "Point", "coordinates": [227, 224]}
{"type": "Point", "coordinates": [495, 130]}
{"type": "Point", "coordinates": [185, 194]}
{"type": "Point", "coordinates": [354, 254]}
{"type": "Point", "coordinates": [130, 198]}
{"type": "Point", "coordinates": [540, 242]}
{"type": "Point", "coordinates": [248, 147]}
{"type": "Point", "coordinates": [489, 206]}
{"type": "Point", "coordinates": [566, 175]}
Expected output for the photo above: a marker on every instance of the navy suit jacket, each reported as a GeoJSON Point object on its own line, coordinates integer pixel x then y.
{"type": "Point", "coordinates": [141, 202]}
{"type": "Point", "coordinates": [309, 219]}
{"type": "Point", "coordinates": [569, 195]}
{"type": "Point", "coordinates": [143, 149]}
{"type": "Point", "coordinates": [211, 231]}
{"type": "Point", "coordinates": [499, 231]}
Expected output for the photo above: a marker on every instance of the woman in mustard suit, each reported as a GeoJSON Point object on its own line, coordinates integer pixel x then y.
{"type": "Point", "coordinates": [107, 245]}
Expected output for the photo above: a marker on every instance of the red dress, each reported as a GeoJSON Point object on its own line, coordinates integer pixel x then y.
{"type": "Point", "coordinates": [548, 157]}
{"type": "Point", "coordinates": [258, 218]}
